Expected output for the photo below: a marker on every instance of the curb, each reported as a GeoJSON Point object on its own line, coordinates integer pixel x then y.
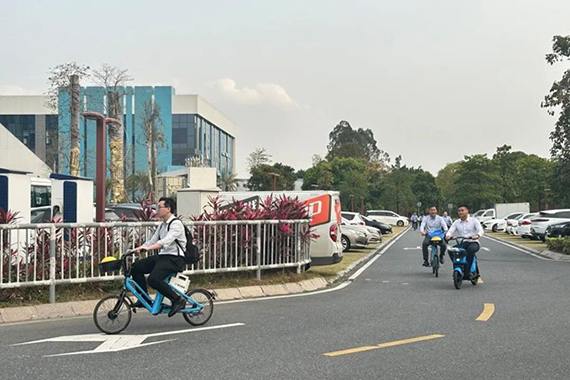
{"type": "Point", "coordinates": [84, 308]}
{"type": "Point", "coordinates": [546, 253]}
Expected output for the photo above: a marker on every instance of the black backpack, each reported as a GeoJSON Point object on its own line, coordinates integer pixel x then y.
{"type": "Point", "coordinates": [191, 252]}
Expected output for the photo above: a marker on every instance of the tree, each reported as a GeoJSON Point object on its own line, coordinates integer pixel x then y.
{"type": "Point", "coordinates": [508, 166]}
{"type": "Point", "coordinates": [346, 142]}
{"type": "Point", "coordinates": [319, 177]}
{"type": "Point", "coordinates": [138, 185]}
{"type": "Point", "coordinates": [262, 177]}
{"type": "Point", "coordinates": [477, 183]}
{"type": "Point", "coordinates": [258, 157]}
{"type": "Point", "coordinates": [228, 182]}
{"type": "Point", "coordinates": [446, 179]}
{"type": "Point", "coordinates": [558, 99]}
{"type": "Point", "coordinates": [113, 79]}
{"type": "Point", "coordinates": [425, 189]}
{"type": "Point", "coordinates": [350, 178]}
{"type": "Point", "coordinates": [535, 175]}
{"type": "Point", "coordinates": [59, 82]}
{"type": "Point", "coordinates": [154, 140]}
{"type": "Point", "coordinates": [398, 195]}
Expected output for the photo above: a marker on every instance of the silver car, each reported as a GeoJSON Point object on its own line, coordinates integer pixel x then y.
{"type": "Point", "coordinates": [353, 237]}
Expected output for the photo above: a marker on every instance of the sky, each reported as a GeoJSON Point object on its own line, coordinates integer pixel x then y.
{"type": "Point", "coordinates": [435, 80]}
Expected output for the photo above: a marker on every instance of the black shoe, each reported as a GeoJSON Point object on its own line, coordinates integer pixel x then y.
{"type": "Point", "coordinates": [177, 306]}
{"type": "Point", "coordinates": [426, 263]}
{"type": "Point", "coordinates": [138, 304]}
{"type": "Point", "coordinates": [441, 258]}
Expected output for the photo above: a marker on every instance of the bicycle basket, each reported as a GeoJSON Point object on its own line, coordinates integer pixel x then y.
{"type": "Point", "coordinates": [109, 264]}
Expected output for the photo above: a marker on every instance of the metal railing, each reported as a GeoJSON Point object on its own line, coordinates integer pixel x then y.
{"type": "Point", "coordinates": [65, 253]}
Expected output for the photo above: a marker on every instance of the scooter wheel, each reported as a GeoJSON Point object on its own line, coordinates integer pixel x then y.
{"type": "Point", "coordinates": [457, 279]}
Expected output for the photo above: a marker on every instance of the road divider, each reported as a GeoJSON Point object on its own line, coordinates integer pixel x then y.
{"type": "Point", "coordinates": [488, 311]}
{"type": "Point", "coordinates": [384, 345]}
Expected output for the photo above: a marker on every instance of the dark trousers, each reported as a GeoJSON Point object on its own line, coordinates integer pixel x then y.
{"type": "Point", "coordinates": [159, 267]}
{"type": "Point", "coordinates": [425, 245]}
{"type": "Point", "coordinates": [471, 249]}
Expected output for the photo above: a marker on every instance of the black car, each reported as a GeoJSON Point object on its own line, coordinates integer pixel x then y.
{"type": "Point", "coordinates": [383, 227]}
{"type": "Point", "coordinates": [558, 230]}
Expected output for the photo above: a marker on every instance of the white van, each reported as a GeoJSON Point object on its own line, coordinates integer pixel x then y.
{"type": "Point", "coordinates": [324, 209]}
{"type": "Point", "coordinates": [388, 217]}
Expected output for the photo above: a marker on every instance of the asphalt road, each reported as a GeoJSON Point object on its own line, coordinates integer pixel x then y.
{"type": "Point", "coordinates": [394, 300]}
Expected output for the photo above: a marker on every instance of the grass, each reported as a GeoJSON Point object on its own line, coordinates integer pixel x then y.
{"type": "Point", "coordinates": [330, 271]}
{"type": "Point", "coordinates": [28, 296]}
{"type": "Point", "coordinates": [536, 245]}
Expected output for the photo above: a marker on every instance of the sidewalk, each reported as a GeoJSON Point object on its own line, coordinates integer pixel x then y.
{"type": "Point", "coordinates": [543, 252]}
{"type": "Point", "coordinates": [82, 308]}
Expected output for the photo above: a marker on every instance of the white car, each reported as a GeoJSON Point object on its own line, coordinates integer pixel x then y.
{"type": "Point", "coordinates": [372, 234]}
{"type": "Point", "coordinates": [388, 217]}
{"type": "Point", "coordinates": [500, 224]}
{"type": "Point", "coordinates": [513, 224]}
{"type": "Point", "coordinates": [352, 218]}
{"type": "Point", "coordinates": [522, 228]}
{"type": "Point", "coordinates": [544, 219]}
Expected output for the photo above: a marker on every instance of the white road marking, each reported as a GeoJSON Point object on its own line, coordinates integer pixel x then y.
{"type": "Point", "coordinates": [412, 248]}
{"type": "Point", "coordinates": [517, 248]}
{"type": "Point", "coordinates": [485, 249]}
{"type": "Point", "coordinates": [115, 343]}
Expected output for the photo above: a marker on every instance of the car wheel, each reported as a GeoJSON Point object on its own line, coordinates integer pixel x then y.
{"type": "Point", "coordinates": [494, 228]}
{"type": "Point", "coordinates": [400, 223]}
{"type": "Point", "coordinates": [345, 243]}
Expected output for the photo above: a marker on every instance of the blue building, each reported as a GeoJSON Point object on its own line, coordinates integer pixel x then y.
{"type": "Point", "coordinates": [192, 127]}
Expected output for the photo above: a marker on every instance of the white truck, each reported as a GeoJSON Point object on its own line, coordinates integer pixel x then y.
{"type": "Point", "coordinates": [501, 210]}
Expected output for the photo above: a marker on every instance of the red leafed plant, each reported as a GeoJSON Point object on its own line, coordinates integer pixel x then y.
{"type": "Point", "coordinates": [233, 245]}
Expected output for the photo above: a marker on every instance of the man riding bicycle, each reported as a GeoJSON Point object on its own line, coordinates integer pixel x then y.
{"type": "Point", "coordinates": [414, 218]}
{"type": "Point", "coordinates": [169, 238]}
{"type": "Point", "coordinates": [468, 228]}
{"type": "Point", "coordinates": [429, 224]}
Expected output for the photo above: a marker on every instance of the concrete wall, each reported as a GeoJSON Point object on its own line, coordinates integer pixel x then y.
{"type": "Point", "coordinates": [14, 155]}
{"type": "Point", "coordinates": [194, 104]}
{"type": "Point", "coordinates": [24, 105]}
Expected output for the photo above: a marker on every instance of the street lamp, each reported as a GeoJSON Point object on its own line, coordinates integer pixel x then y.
{"type": "Point", "coordinates": [101, 158]}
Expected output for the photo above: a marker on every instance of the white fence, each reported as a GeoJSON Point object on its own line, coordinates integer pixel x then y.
{"type": "Point", "coordinates": [50, 254]}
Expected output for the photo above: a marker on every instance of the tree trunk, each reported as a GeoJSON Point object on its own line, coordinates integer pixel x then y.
{"type": "Point", "coordinates": [149, 144]}
{"type": "Point", "coordinates": [116, 167]}
{"type": "Point", "coordinates": [74, 126]}
{"type": "Point", "coordinates": [154, 166]}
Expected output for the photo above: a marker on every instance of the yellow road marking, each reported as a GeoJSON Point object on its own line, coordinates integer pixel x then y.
{"type": "Point", "coordinates": [488, 310]}
{"type": "Point", "coordinates": [480, 280]}
{"type": "Point", "coordinates": [383, 345]}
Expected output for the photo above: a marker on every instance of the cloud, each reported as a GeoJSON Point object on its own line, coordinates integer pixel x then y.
{"type": "Point", "coordinates": [262, 93]}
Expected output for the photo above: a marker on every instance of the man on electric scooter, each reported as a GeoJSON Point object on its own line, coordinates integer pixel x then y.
{"type": "Point", "coordinates": [169, 238]}
{"type": "Point", "coordinates": [468, 228]}
{"type": "Point", "coordinates": [429, 224]}
{"type": "Point", "coordinates": [414, 218]}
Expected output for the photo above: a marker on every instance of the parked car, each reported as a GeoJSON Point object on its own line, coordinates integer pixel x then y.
{"type": "Point", "coordinates": [512, 224]}
{"type": "Point", "coordinates": [353, 218]}
{"type": "Point", "coordinates": [40, 214]}
{"type": "Point", "coordinates": [374, 236]}
{"type": "Point", "coordinates": [544, 219]}
{"type": "Point", "coordinates": [500, 224]}
{"type": "Point", "coordinates": [523, 226]}
{"type": "Point", "coordinates": [389, 217]}
{"type": "Point", "coordinates": [558, 230]}
{"type": "Point", "coordinates": [352, 237]}
{"type": "Point", "coordinates": [382, 227]}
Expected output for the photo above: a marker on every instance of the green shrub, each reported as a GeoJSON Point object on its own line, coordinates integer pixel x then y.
{"type": "Point", "coordinates": [560, 245]}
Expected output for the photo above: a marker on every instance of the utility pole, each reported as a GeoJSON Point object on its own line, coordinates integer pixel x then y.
{"type": "Point", "coordinates": [274, 175]}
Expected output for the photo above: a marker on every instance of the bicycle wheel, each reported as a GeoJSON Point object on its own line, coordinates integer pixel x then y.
{"type": "Point", "coordinates": [205, 299]}
{"type": "Point", "coordinates": [457, 279]}
{"type": "Point", "coordinates": [436, 265]}
{"type": "Point", "coordinates": [112, 315]}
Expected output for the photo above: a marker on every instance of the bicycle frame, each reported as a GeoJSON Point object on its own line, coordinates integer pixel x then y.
{"type": "Point", "coordinates": [156, 306]}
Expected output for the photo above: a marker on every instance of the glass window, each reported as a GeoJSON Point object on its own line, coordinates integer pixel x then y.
{"type": "Point", "coordinates": [40, 196]}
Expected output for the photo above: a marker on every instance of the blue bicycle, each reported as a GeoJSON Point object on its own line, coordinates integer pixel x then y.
{"type": "Point", "coordinates": [113, 313]}
{"type": "Point", "coordinates": [435, 243]}
{"type": "Point", "coordinates": [459, 258]}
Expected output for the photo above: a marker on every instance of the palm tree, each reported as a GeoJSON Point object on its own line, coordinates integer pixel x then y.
{"type": "Point", "coordinates": [138, 185]}
{"type": "Point", "coordinates": [228, 182]}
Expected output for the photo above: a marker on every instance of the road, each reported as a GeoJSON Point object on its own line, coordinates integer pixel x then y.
{"type": "Point", "coordinates": [411, 325]}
